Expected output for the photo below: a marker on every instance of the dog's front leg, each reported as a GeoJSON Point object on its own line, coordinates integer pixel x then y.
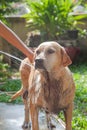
{"type": "Point", "coordinates": [68, 117]}
{"type": "Point", "coordinates": [34, 117]}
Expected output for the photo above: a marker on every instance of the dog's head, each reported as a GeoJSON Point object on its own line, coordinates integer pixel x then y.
{"type": "Point", "coordinates": [50, 55]}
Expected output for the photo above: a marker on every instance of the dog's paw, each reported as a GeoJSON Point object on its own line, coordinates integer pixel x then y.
{"type": "Point", "coordinates": [25, 125]}
{"type": "Point", "coordinates": [30, 125]}
{"type": "Point", "coordinates": [51, 126]}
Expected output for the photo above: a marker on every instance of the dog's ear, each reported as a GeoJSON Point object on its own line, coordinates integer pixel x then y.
{"type": "Point", "coordinates": [65, 58]}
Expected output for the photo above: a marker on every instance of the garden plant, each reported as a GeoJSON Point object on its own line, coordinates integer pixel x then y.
{"type": "Point", "coordinates": [52, 17]}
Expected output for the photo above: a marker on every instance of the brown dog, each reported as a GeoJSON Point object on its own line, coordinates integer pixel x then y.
{"type": "Point", "coordinates": [24, 73]}
{"type": "Point", "coordinates": [51, 85]}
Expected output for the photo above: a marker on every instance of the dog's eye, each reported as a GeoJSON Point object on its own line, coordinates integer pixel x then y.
{"type": "Point", "coordinates": [37, 52]}
{"type": "Point", "coordinates": [50, 51]}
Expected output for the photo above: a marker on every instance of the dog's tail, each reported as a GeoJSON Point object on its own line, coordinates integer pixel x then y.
{"type": "Point", "coordinates": [17, 94]}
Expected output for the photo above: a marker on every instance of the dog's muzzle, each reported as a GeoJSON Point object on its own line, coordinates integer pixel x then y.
{"type": "Point", "coordinates": [39, 64]}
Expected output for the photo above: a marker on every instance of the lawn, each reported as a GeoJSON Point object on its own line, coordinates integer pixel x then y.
{"type": "Point", "coordinates": [9, 83]}
{"type": "Point", "coordinates": [80, 103]}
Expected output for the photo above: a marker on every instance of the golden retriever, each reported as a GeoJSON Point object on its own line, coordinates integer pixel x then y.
{"type": "Point", "coordinates": [51, 84]}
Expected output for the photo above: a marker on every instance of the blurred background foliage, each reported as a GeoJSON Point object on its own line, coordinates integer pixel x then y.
{"type": "Point", "coordinates": [52, 17]}
{"type": "Point", "coordinates": [6, 8]}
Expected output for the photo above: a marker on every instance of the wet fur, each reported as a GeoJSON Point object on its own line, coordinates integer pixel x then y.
{"type": "Point", "coordinates": [51, 87]}
{"type": "Point", "coordinates": [52, 91]}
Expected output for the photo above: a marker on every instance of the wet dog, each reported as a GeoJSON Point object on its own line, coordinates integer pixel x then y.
{"type": "Point", "coordinates": [51, 84]}
{"type": "Point", "coordinates": [48, 85]}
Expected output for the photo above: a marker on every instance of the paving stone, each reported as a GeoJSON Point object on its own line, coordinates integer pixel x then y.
{"type": "Point", "coordinates": [12, 117]}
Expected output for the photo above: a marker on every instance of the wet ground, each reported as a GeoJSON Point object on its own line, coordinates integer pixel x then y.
{"type": "Point", "coordinates": [12, 116]}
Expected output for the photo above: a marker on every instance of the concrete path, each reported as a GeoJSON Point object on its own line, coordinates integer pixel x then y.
{"type": "Point", "coordinates": [12, 117]}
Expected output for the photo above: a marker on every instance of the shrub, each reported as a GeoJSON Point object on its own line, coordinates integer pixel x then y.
{"type": "Point", "coordinates": [51, 17]}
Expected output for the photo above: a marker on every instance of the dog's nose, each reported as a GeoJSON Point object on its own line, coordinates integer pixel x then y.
{"type": "Point", "coordinates": [38, 60]}
{"type": "Point", "coordinates": [38, 63]}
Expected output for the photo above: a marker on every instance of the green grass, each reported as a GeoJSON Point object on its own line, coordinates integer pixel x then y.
{"type": "Point", "coordinates": [7, 84]}
{"type": "Point", "coordinates": [7, 99]}
{"type": "Point", "coordinates": [80, 102]}
{"type": "Point", "coordinates": [10, 86]}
